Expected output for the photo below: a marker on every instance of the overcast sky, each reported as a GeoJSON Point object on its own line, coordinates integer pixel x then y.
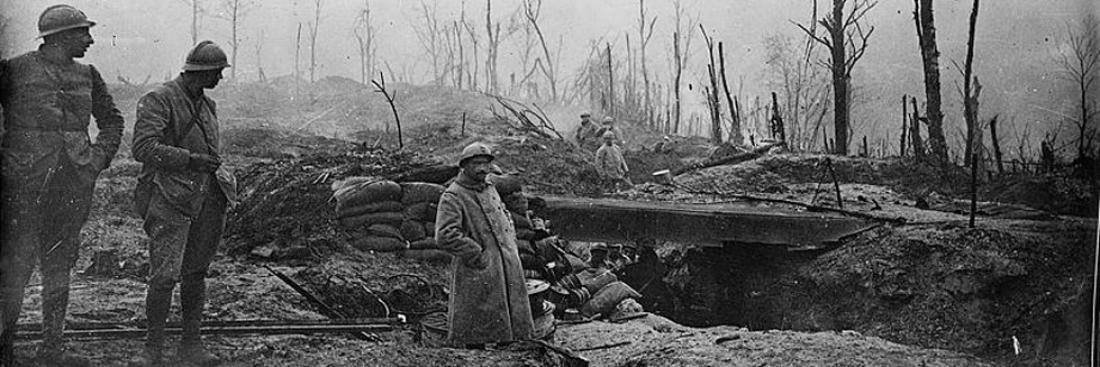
{"type": "Point", "coordinates": [1016, 41]}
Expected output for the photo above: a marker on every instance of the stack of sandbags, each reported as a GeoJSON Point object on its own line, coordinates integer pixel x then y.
{"type": "Point", "coordinates": [421, 202]}
{"type": "Point", "coordinates": [384, 215]}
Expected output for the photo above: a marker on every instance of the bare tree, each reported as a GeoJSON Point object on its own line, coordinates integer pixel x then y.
{"type": "Point", "coordinates": [531, 11]}
{"type": "Point", "coordinates": [493, 45]}
{"type": "Point", "coordinates": [364, 32]}
{"type": "Point", "coordinates": [926, 35]}
{"type": "Point", "coordinates": [259, 56]}
{"type": "Point", "coordinates": [313, 28]}
{"type": "Point", "coordinates": [472, 71]}
{"type": "Point", "coordinates": [803, 88]}
{"type": "Point", "coordinates": [234, 11]}
{"type": "Point", "coordinates": [431, 38]}
{"type": "Point", "coordinates": [712, 92]}
{"type": "Point", "coordinates": [731, 102]}
{"type": "Point", "coordinates": [846, 41]}
{"type": "Point", "coordinates": [380, 86]}
{"type": "Point", "coordinates": [1079, 59]}
{"type": "Point", "coordinates": [681, 47]}
{"type": "Point", "coordinates": [645, 34]}
{"type": "Point", "coordinates": [196, 16]}
{"type": "Point", "coordinates": [971, 92]}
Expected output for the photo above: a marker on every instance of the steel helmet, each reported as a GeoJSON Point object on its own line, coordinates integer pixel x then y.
{"type": "Point", "coordinates": [609, 135]}
{"type": "Point", "coordinates": [61, 17]}
{"type": "Point", "coordinates": [608, 120]}
{"type": "Point", "coordinates": [206, 56]}
{"type": "Point", "coordinates": [474, 150]}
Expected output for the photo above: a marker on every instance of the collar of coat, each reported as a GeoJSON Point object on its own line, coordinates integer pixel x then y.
{"type": "Point", "coordinates": [469, 183]}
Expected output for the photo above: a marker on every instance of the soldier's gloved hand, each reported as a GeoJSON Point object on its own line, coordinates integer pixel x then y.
{"type": "Point", "coordinates": [203, 163]}
{"type": "Point", "coordinates": [477, 261]}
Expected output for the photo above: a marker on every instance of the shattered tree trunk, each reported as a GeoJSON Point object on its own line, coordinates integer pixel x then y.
{"type": "Point", "coordinates": [679, 66]}
{"type": "Point", "coordinates": [735, 114]}
{"type": "Point", "coordinates": [970, 107]}
{"type": "Point", "coordinates": [904, 126]}
{"type": "Point", "coordinates": [996, 145]}
{"type": "Point", "coordinates": [712, 96]}
{"type": "Point", "coordinates": [840, 81]}
{"type": "Point", "coordinates": [926, 35]}
{"type": "Point", "coordinates": [914, 132]}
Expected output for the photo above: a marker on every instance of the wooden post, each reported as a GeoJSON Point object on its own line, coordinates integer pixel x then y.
{"type": "Point", "coordinates": [463, 123]}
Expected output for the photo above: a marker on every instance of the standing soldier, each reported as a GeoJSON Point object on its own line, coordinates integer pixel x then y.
{"type": "Point", "coordinates": [610, 162]}
{"type": "Point", "coordinates": [182, 193]}
{"type": "Point", "coordinates": [586, 132]}
{"type": "Point", "coordinates": [489, 303]}
{"type": "Point", "coordinates": [609, 125]}
{"type": "Point", "coordinates": [49, 170]}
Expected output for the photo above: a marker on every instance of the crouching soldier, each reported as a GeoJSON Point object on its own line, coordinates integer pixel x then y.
{"type": "Point", "coordinates": [182, 194]}
{"type": "Point", "coordinates": [49, 170]}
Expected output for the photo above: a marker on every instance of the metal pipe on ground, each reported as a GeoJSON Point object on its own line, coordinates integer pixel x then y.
{"type": "Point", "coordinates": [216, 330]}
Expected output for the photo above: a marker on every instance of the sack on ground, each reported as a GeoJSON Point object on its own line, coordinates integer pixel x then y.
{"type": "Point", "coordinates": [382, 206]}
{"type": "Point", "coordinates": [391, 218]}
{"type": "Point", "coordinates": [377, 243]}
{"type": "Point", "coordinates": [595, 279]}
{"type": "Point", "coordinates": [427, 243]}
{"type": "Point", "coordinates": [421, 211]}
{"type": "Point", "coordinates": [385, 230]}
{"type": "Point", "coordinates": [412, 230]}
{"type": "Point", "coordinates": [370, 193]}
{"type": "Point", "coordinates": [604, 301]}
{"type": "Point", "coordinates": [420, 192]}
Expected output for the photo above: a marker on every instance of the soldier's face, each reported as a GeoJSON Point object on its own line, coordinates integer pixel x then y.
{"type": "Point", "coordinates": [477, 168]}
{"type": "Point", "coordinates": [209, 79]}
{"type": "Point", "coordinates": [76, 41]}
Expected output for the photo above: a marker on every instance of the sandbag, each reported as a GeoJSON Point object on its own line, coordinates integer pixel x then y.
{"type": "Point", "coordinates": [370, 193]}
{"type": "Point", "coordinates": [594, 279]}
{"type": "Point", "coordinates": [342, 187]}
{"type": "Point", "coordinates": [421, 211]}
{"type": "Point", "coordinates": [427, 255]}
{"type": "Point", "coordinates": [427, 243]}
{"type": "Point", "coordinates": [385, 230]}
{"type": "Point", "coordinates": [391, 218]}
{"type": "Point", "coordinates": [435, 174]}
{"type": "Point", "coordinates": [343, 211]}
{"type": "Point", "coordinates": [506, 184]}
{"type": "Point", "coordinates": [412, 230]}
{"type": "Point", "coordinates": [420, 192]}
{"type": "Point", "coordinates": [604, 301]}
{"type": "Point", "coordinates": [377, 243]}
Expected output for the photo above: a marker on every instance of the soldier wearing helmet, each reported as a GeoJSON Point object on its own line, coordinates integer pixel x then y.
{"type": "Point", "coordinates": [489, 303]}
{"type": "Point", "coordinates": [182, 193]}
{"type": "Point", "coordinates": [586, 132]}
{"type": "Point", "coordinates": [49, 167]}
{"type": "Point", "coordinates": [610, 162]}
{"type": "Point", "coordinates": [609, 125]}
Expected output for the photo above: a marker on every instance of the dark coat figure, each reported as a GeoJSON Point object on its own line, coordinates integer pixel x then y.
{"type": "Point", "coordinates": [182, 194]}
{"type": "Point", "coordinates": [49, 168]}
{"type": "Point", "coordinates": [489, 301]}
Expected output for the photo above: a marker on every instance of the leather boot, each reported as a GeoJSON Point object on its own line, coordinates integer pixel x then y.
{"type": "Point", "coordinates": [192, 300]}
{"type": "Point", "coordinates": [158, 300]}
{"type": "Point", "coordinates": [55, 302]}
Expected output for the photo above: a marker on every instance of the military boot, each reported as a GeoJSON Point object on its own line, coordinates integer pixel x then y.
{"type": "Point", "coordinates": [157, 303]}
{"type": "Point", "coordinates": [192, 300]}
